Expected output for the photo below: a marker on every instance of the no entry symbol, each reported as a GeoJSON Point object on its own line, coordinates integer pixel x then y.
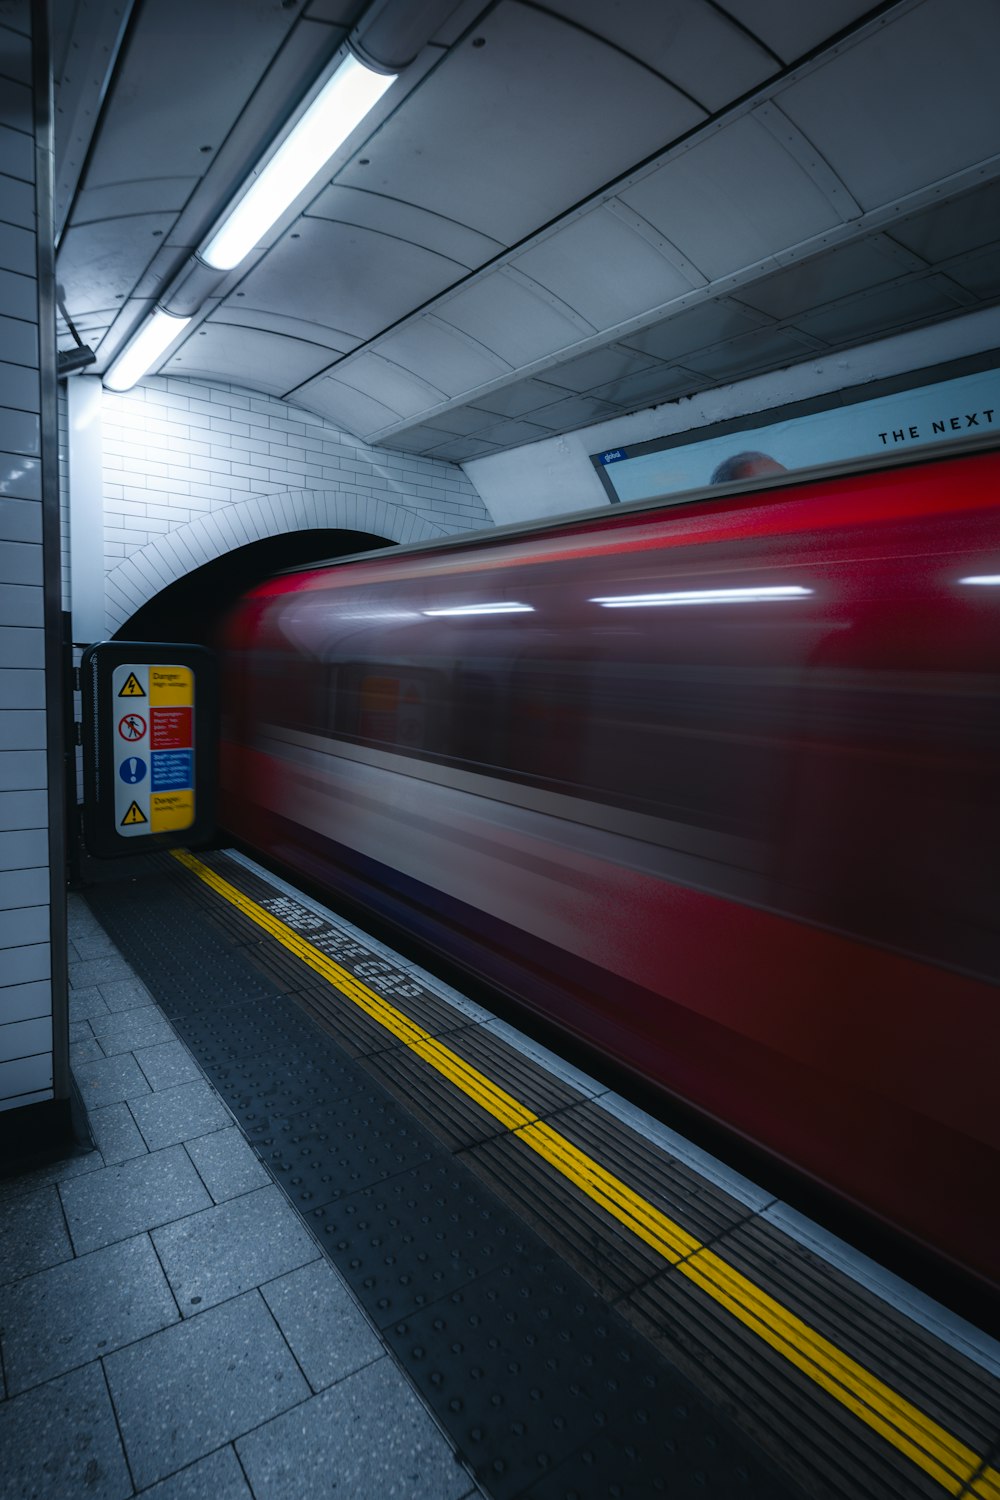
{"type": "Point", "coordinates": [132, 727]}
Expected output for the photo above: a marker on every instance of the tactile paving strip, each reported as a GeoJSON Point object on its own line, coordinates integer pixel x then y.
{"type": "Point", "coordinates": [543, 1389]}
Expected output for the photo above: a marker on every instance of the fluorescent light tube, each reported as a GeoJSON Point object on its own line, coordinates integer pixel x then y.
{"type": "Point", "coordinates": [339, 107]}
{"type": "Point", "coordinates": [989, 579]}
{"type": "Point", "coordinates": [704, 596]}
{"type": "Point", "coordinates": [153, 339]}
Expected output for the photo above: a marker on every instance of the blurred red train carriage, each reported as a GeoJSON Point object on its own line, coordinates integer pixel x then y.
{"type": "Point", "coordinates": [712, 787]}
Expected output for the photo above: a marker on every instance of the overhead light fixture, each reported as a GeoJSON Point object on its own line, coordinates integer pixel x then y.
{"type": "Point", "coordinates": [987, 579]}
{"type": "Point", "coordinates": [337, 110]}
{"type": "Point", "coordinates": [153, 339]}
{"type": "Point", "coordinates": [704, 596]}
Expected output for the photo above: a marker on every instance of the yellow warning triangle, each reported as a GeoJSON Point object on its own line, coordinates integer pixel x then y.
{"type": "Point", "coordinates": [133, 689]}
{"type": "Point", "coordinates": [135, 814]}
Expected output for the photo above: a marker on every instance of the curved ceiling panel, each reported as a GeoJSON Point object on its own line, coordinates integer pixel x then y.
{"type": "Point", "coordinates": [543, 224]}
{"type": "Point", "coordinates": [733, 200]}
{"type": "Point", "coordinates": [217, 349]}
{"type": "Point", "coordinates": [470, 145]}
{"type": "Point", "coordinates": [573, 264]}
{"type": "Point", "coordinates": [345, 277]}
{"type": "Point", "coordinates": [938, 115]}
{"type": "Point", "coordinates": [690, 43]}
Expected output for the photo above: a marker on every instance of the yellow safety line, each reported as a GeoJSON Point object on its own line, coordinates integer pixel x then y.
{"type": "Point", "coordinates": [941, 1455]}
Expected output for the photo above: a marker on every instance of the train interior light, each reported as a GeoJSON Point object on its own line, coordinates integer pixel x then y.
{"type": "Point", "coordinates": [705, 596]}
{"type": "Point", "coordinates": [483, 609]}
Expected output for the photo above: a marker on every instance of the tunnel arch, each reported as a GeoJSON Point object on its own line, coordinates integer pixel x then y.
{"type": "Point", "coordinates": [150, 569]}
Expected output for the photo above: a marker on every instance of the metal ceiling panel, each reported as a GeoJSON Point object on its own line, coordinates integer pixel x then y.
{"type": "Point", "coordinates": [599, 367]}
{"type": "Point", "coordinates": [398, 389]}
{"type": "Point", "coordinates": [175, 55]}
{"type": "Point", "coordinates": [953, 227]}
{"type": "Point", "coordinates": [922, 98]}
{"type": "Point", "coordinates": [732, 200]}
{"type": "Point", "coordinates": [884, 310]}
{"type": "Point", "coordinates": [444, 356]}
{"type": "Point", "coordinates": [688, 42]}
{"type": "Point", "coordinates": [405, 221]}
{"type": "Point", "coordinates": [86, 35]}
{"type": "Point", "coordinates": [350, 409]}
{"type": "Point", "coordinates": [826, 278]}
{"type": "Point", "coordinates": [761, 350]}
{"type": "Point", "coordinates": [146, 196]}
{"type": "Point", "coordinates": [218, 349]}
{"type": "Point", "coordinates": [573, 263]}
{"type": "Point", "coordinates": [100, 263]}
{"type": "Point", "coordinates": [506, 316]}
{"type": "Point", "coordinates": [700, 327]}
{"type": "Point", "coordinates": [294, 328]}
{"type": "Point", "coordinates": [461, 420]}
{"type": "Point", "coordinates": [577, 411]}
{"type": "Point", "coordinates": [345, 277]}
{"type": "Point", "coordinates": [511, 433]}
{"type": "Point", "coordinates": [505, 136]}
{"type": "Point", "coordinates": [650, 387]}
{"type": "Point", "coordinates": [460, 449]}
{"type": "Point", "coordinates": [790, 28]}
{"type": "Point", "coordinates": [515, 400]}
{"type": "Point", "coordinates": [979, 272]}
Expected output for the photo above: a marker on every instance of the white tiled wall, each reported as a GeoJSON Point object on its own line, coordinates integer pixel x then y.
{"type": "Point", "coordinates": [25, 954]}
{"type": "Point", "coordinates": [177, 452]}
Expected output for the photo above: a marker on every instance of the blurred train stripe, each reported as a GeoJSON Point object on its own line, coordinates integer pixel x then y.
{"type": "Point", "coordinates": [944, 1458]}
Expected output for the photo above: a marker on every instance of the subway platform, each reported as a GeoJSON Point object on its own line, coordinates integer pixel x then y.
{"type": "Point", "coordinates": [341, 1232]}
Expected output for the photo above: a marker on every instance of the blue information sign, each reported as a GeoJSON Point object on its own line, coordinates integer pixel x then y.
{"type": "Point", "coordinates": [173, 770]}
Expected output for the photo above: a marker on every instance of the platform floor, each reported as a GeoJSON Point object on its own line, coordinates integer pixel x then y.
{"type": "Point", "coordinates": [303, 1261]}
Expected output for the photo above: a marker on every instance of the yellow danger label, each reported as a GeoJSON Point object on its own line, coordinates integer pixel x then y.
{"type": "Point", "coordinates": [171, 687]}
{"type": "Point", "coordinates": [135, 814]}
{"type": "Point", "coordinates": [132, 688]}
{"type": "Point", "coordinates": [171, 811]}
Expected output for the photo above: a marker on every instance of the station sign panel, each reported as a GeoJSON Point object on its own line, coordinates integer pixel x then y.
{"type": "Point", "coordinates": [149, 746]}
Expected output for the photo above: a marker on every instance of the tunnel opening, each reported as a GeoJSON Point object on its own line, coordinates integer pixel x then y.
{"type": "Point", "coordinates": [190, 608]}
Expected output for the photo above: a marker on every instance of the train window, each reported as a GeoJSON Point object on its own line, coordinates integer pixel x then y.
{"type": "Point", "coordinates": [392, 707]}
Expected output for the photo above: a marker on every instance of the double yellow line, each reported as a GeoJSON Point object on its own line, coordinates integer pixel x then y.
{"type": "Point", "coordinates": [954, 1466]}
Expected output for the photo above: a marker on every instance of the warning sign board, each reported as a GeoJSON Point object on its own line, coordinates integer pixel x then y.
{"type": "Point", "coordinates": [149, 757]}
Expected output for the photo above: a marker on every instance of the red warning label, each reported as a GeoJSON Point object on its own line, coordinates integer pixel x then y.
{"type": "Point", "coordinates": [170, 728]}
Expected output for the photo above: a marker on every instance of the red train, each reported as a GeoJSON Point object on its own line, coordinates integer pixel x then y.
{"type": "Point", "coordinates": [712, 787]}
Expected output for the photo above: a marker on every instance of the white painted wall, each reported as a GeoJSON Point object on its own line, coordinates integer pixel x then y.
{"type": "Point", "coordinates": [555, 476]}
{"type": "Point", "coordinates": [178, 452]}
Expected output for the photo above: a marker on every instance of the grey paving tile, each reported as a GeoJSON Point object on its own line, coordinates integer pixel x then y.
{"type": "Point", "coordinates": [228, 1249]}
{"type": "Point", "coordinates": [366, 1436]}
{"type": "Point", "coordinates": [84, 1052]}
{"type": "Point", "coordinates": [325, 1328]}
{"type": "Point", "coordinates": [82, 1160]}
{"type": "Point", "coordinates": [227, 1164]}
{"type": "Point", "coordinates": [167, 1064]}
{"type": "Point", "coordinates": [136, 1195]}
{"type": "Point", "coordinates": [116, 1134]}
{"type": "Point", "coordinates": [61, 1441]}
{"type": "Point", "coordinates": [93, 943]}
{"type": "Point", "coordinates": [91, 971]}
{"type": "Point", "coordinates": [179, 1114]}
{"type": "Point", "coordinates": [32, 1233]}
{"type": "Point", "coordinates": [217, 1477]}
{"type": "Point", "coordinates": [125, 994]}
{"type": "Point", "coordinates": [215, 1378]}
{"type": "Point", "coordinates": [80, 1310]}
{"type": "Point", "coordinates": [80, 1031]}
{"type": "Point", "coordinates": [109, 1080]}
{"type": "Point", "coordinates": [124, 1031]}
{"type": "Point", "coordinates": [86, 1002]}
